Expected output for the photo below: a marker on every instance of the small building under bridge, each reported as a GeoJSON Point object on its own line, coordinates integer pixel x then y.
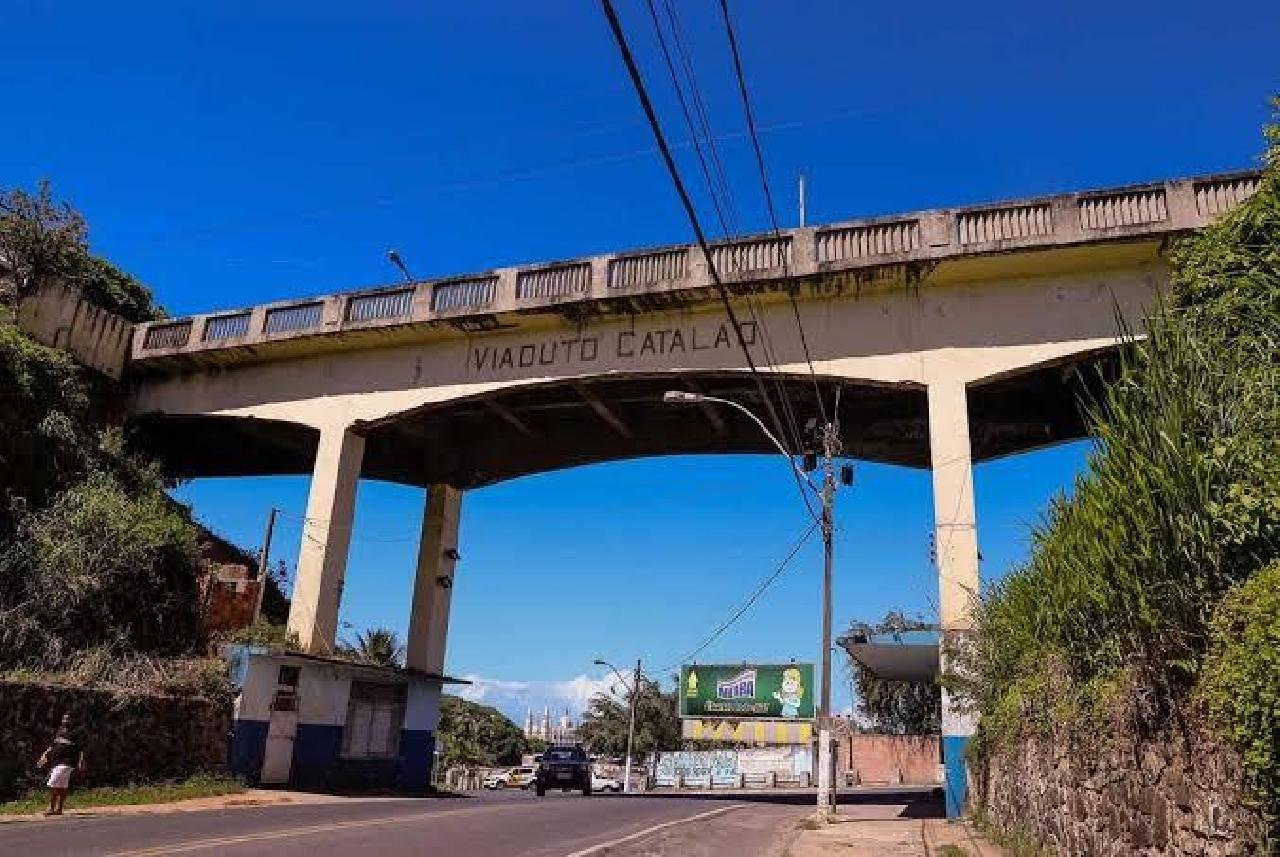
{"type": "Point", "coordinates": [322, 723]}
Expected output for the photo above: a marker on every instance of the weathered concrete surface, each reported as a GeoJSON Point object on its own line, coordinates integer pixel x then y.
{"type": "Point", "coordinates": [61, 317]}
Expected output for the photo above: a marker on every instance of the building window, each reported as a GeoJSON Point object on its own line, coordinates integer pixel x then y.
{"type": "Point", "coordinates": [374, 716]}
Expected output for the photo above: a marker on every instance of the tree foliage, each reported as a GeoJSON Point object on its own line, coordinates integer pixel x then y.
{"type": "Point", "coordinates": [896, 707]}
{"type": "Point", "coordinates": [606, 721]}
{"type": "Point", "coordinates": [101, 567]}
{"type": "Point", "coordinates": [44, 241]}
{"type": "Point", "coordinates": [476, 735]}
{"type": "Point", "coordinates": [377, 646]}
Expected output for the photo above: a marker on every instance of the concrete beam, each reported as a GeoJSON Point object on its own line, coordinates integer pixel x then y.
{"type": "Point", "coordinates": [508, 416]}
{"type": "Point", "coordinates": [607, 416]}
{"type": "Point", "coordinates": [712, 416]}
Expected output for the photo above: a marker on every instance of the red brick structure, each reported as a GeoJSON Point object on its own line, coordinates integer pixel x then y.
{"type": "Point", "coordinates": [889, 759]}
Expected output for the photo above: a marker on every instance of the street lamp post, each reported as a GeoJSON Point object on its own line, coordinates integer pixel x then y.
{"type": "Point", "coordinates": [830, 449]}
{"type": "Point", "coordinates": [631, 727]}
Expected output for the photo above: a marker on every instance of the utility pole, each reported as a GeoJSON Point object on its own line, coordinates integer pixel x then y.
{"type": "Point", "coordinates": [264, 557]}
{"type": "Point", "coordinates": [631, 729]}
{"type": "Point", "coordinates": [826, 768]}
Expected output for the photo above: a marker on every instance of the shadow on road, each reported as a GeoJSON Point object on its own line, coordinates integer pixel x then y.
{"type": "Point", "coordinates": [921, 802]}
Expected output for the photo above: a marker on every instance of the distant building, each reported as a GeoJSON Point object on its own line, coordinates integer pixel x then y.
{"type": "Point", "coordinates": [542, 728]}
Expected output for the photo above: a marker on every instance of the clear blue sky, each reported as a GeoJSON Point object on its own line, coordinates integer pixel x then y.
{"type": "Point", "coordinates": [233, 153]}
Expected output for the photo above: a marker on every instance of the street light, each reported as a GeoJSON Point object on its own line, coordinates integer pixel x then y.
{"type": "Point", "coordinates": [631, 729]}
{"type": "Point", "coordinates": [830, 448]}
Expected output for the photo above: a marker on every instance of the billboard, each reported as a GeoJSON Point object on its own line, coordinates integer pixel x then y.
{"type": "Point", "coordinates": [722, 691]}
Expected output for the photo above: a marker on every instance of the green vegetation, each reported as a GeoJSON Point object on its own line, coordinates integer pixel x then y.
{"type": "Point", "coordinates": [201, 785]}
{"type": "Point", "coordinates": [98, 566]}
{"type": "Point", "coordinates": [1240, 678]}
{"type": "Point", "coordinates": [378, 646]}
{"type": "Point", "coordinates": [43, 241]}
{"type": "Point", "coordinates": [896, 707]}
{"type": "Point", "coordinates": [476, 735]}
{"type": "Point", "coordinates": [952, 850]}
{"type": "Point", "coordinates": [605, 723]}
{"type": "Point", "coordinates": [1153, 576]}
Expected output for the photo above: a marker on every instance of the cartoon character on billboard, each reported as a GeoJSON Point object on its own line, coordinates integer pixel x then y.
{"type": "Point", "coordinates": [792, 693]}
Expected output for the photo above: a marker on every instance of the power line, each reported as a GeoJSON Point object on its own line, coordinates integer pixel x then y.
{"type": "Point", "coordinates": [751, 599]}
{"type": "Point", "coordinates": [656, 127]}
{"type": "Point", "coordinates": [768, 192]}
{"type": "Point", "coordinates": [718, 188]}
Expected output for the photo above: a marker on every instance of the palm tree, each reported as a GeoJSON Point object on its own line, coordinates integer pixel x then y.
{"type": "Point", "coordinates": [379, 646]}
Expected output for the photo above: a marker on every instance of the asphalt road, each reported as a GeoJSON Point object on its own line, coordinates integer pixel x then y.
{"type": "Point", "coordinates": [504, 823]}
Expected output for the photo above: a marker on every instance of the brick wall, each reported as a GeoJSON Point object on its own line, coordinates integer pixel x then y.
{"type": "Point", "coordinates": [890, 759]}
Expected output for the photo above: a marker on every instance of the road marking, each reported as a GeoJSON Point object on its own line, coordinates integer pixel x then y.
{"type": "Point", "coordinates": [596, 849]}
{"type": "Point", "coordinates": [266, 835]}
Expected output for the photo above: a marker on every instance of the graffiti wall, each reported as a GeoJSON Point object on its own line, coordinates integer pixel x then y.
{"type": "Point", "coordinates": [723, 764]}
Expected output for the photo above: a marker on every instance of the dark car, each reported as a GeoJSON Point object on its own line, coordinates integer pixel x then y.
{"type": "Point", "coordinates": [564, 768]}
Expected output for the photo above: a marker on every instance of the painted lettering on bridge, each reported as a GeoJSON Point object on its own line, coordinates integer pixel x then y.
{"type": "Point", "coordinates": [630, 345]}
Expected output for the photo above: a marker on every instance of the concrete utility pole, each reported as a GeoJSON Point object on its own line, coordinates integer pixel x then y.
{"type": "Point", "coordinates": [829, 438]}
{"type": "Point", "coordinates": [264, 557]}
{"type": "Point", "coordinates": [826, 767]}
{"type": "Point", "coordinates": [631, 728]}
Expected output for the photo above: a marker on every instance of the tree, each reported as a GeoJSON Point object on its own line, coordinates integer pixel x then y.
{"type": "Point", "coordinates": [604, 725]}
{"type": "Point", "coordinates": [38, 236]}
{"type": "Point", "coordinates": [378, 646]}
{"type": "Point", "coordinates": [897, 707]}
{"type": "Point", "coordinates": [471, 734]}
{"type": "Point", "coordinates": [43, 241]}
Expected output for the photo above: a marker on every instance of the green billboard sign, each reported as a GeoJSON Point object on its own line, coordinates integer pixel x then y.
{"type": "Point", "coordinates": [782, 691]}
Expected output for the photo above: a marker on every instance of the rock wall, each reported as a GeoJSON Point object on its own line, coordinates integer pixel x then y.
{"type": "Point", "coordinates": [125, 738]}
{"type": "Point", "coordinates": [1177, 793]}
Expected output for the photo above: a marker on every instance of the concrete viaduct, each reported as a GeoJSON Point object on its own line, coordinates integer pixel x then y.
{"type": "Point", "coordinates": [954, 336]}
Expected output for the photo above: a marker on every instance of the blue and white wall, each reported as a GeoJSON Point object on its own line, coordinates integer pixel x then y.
{"type": "Point", "coordinates": [323, 696]}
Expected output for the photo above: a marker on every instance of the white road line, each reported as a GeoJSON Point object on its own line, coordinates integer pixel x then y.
{"type": "Point", "coordinates": [640, 834]}
{"type": "Point", "coordinates": [289, 832]}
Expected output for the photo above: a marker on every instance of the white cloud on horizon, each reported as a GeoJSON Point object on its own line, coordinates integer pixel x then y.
{"type": "Point", "coordinates": [514, 698]}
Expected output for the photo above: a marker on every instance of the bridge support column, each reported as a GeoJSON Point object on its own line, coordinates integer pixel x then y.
{"type": "Point", "coordinates": [433, 586]}
{"type": "Point", "coordinates": [956, 544]}
{"type": "Point", "coordinates": [326, 537]}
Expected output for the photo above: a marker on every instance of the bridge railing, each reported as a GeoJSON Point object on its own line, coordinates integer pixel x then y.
{"type": "Point", "coordinates": [472, 302]}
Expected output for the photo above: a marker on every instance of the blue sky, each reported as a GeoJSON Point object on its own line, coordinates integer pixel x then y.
{"type": "Point", "coordinates": [234, 153]}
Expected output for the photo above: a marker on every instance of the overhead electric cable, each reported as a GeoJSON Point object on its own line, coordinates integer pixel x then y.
{"type": "Point", "coordinates": [687, 203]}
{"type": "Point", "coordinates": [768, 193]}
{"type": "Point", "coordinates": [725, 208]}
{"type": "Point", "coordinates": [751, 599]}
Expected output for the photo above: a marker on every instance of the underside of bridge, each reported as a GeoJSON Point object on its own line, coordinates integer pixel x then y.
{"type": "Point", "coordinates": [535, 428]}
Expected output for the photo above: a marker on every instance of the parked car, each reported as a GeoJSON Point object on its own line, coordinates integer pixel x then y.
{"type": "Point", "coordinates": [496, 780]}
{"type": "Point", "coordinates": [564, 768]}
{"type": "Point", "coordinates": [605, 783]}
{"type": "Point", "coordinates": [521, 778]}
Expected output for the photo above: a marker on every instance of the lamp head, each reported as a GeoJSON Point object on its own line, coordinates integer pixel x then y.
{"type": "Point", "coordinates": [681, 397]}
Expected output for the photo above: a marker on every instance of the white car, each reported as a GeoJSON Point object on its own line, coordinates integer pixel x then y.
{"type": "Point", "coordinates": [498, 779]}
{"type": "Point", "coordinates": [602, 783]}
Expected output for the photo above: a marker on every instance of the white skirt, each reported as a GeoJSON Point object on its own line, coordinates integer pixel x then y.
{"type": "Point", "coordinates": [60, 777]}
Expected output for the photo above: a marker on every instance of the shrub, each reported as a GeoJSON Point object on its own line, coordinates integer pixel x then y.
{"type": "Point", "coordinates": [1241, 680]}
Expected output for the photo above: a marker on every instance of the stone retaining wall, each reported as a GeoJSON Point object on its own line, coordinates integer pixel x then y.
{"type": "Point", "coordinates": [1179, 793]}
{"type": "Point", "coordinates": [126, 739]}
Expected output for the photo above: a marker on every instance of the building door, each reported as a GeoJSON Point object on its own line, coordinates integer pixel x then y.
{"type": "Point", "coordinates": [282, 728]}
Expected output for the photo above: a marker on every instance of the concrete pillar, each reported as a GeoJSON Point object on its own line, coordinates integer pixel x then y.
{"type": "Point", "coordinates": [433, 586]}
{"type": "Point", "coordinates": [957, 561]}
{"type": "Point", "coordinates": [326, 537]}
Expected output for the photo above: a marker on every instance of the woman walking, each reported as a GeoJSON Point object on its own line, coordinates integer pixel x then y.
{"type": "Point", "coordinates": [64, 756]}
